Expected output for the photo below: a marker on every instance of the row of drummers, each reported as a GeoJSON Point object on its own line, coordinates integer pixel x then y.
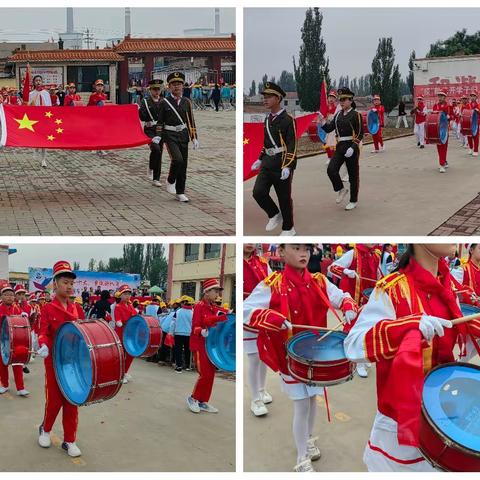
{"type": "Point", "coordinates": [418, 324]}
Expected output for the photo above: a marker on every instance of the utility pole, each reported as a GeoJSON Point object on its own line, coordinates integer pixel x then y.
{"type": "Point", "coordinates": [88, 38]}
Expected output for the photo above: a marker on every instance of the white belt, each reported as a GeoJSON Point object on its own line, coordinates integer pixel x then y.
{"type": "Point", "coordinates": [344, 139]}
{"type": "Point", "coordinates": [273, 151]}
{"type": "Point", "coordinates": [175, 128]}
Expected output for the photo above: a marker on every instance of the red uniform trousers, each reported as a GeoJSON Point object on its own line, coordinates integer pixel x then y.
{"type": "Point", "coordinates": [330, 151]}
{"type": "Point", "coordinates": [128, 361]}
{"type": "Point", "coordinates": [206, 371]}
{"type": "Point", "coordinates": [54, 401]}
{"type": "Point", "coordinates": [377, 139]}
{"type": "Point", "coordinates": [17, 375]}
{"type": "Point", "coordinates": [442, 153]}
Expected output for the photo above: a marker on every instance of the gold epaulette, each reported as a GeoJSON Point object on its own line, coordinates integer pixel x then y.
{"type": "Point", "coordinates": [273, 279]}
{"type": "Point", "coordinates": [389, 280]}
{"type": "Point", "coordinates": [319, 277]}
{"type": "Point", "coordinates": [263, 259]}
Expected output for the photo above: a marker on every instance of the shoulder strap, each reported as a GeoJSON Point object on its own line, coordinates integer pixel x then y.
{"type": "Point", "coordinates": [269, 134]}
{"type": "Point", "coordinates": [175, 110]}
{"type": "Point", "coordinates": [148, 110]}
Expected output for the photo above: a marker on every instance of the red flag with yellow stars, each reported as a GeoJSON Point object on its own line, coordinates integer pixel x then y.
{"type": "Point", "coordinates": [253, 141]}
{"type": "Point", "coordinates": [76, 128]}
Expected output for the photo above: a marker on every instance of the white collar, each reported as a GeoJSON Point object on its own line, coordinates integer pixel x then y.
{"type": "Point", "coordinates": [277, 114]}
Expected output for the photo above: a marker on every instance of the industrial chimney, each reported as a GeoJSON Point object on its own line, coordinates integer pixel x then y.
{"type": "Point", "coordinates": [128, 25]}
{"type": "Point", "coordinates": [69, 20]}
{"type": "Point", "coordinates": [217, 21]}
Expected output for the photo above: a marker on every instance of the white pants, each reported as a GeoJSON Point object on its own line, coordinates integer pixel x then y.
{"type": "Point", "coordinates": [402, 118]}
{"type": "Point", "coordinates": [419, 131]}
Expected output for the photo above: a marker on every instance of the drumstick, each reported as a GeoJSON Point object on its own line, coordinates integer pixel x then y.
{"type": "Point", "coordinates": [330, 332]}
{"type": "Point", "coordinates": [467, 318]}
{"type": "Point", "coordinates": [309, 327]}
{"type": "Point", "coordinates": [367, 279]}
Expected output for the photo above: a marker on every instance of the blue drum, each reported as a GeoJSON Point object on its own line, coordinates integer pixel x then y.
{"type": "Point", "coordinates": [220, 344]}
{"type": "Point", "coordinates": [322, 134]}
{"type": "Point", "coordinates": [474, 123]}
{"type": "Point", "coordinates": [373, 122]}
{"type": "Point", "coordinates": [468, 309]}
{"type": "Point", "coordinates": [142, 336]}
{"type": "Point", "coordinates": [450, 423]}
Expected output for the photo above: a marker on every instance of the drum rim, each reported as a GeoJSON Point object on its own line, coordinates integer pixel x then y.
{"type": "Point", "coordinates": [149, 335]}
{"type": "Point", "coordinates": [329, 383]}
{"type": "Point", "coordinates": [450, 442]}
{"type": "Point", "coordinates": [231, 319]}
{"type": "Point", "coordinates": [2, 321]}
{"type": "Point", "coordinates": [378, 122]}
{"type": "Point", "coordinates": [10, 327]}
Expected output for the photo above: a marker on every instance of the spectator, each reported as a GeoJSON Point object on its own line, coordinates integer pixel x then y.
{"type": "Point", "coordinates": [326, 262]}
{"type": "Point", "coordinates": [215, 96]}
{"type": "Point", "coordinates": [315, 259]}
{"type": "Point", "coordinates": [402, 116]}
{"type": "Point", "coordinates": [85, 296]}
{"type": "Point", "coordinates": [102, 306]}
{"type": "Point", "coordinates": [181, 329]}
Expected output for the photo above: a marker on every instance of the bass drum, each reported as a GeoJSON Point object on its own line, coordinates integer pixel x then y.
{"type": "Point", "coordinates": [436, 128]}
{"type": "Point", "coordinates": [370, 122]}
{"type": "Point", "coordinates": [469, 122]}
{"type": "Point", "coordinates": [220, 344]}
{"type": "Point", "coordinates": [15, 340]}
{"type": "Point", "coordinates": [142, 336]}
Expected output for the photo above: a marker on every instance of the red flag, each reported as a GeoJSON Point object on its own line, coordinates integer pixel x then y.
{"type": "Point", "coordinates": [77, 128]}
{"type": "Point", "coordinates": [253, 141]}
{"type": "Point", "coordinates": [323, 99]}
{"type": "Point", "coordinates": [26, 85]}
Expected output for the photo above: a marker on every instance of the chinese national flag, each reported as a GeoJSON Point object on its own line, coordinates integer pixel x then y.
{"type": "Point", "coordinates": [253, 141]}
{"type": "Point", "coordinates": [74, 128]}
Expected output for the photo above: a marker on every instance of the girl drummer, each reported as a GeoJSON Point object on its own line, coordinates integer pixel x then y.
{"type": "Point", "coordinates": [53, 316]}
{"type": "Point", "coordinates": [406, 329]}
{"type": "Point", "coordinates": [469, 274]}
{"type": "Point", "coordinates": [276, 307]}
{"type": "Point", "coordinates": [443, 106]}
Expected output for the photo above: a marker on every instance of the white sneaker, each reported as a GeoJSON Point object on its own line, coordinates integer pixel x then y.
{"type": "Point", "coordinates": [382, 148]}
{"type": "Point", "coordinates": [266, 397]}
{"type": "Point", "coordinates": [288, 233]}
{"type": "Point", "coordinates": [351, 205]}
{"type": "Point", "coordinates": [23, 393]}
{"type": "Point", "coordinates": [44, 438]}
{"type": "Point", "coordinates": [341, 194]}
{"type": "Point", "coordinates": [149, 173]}
{"type": "Point", "coordinates": [470, 151]}
{"type": "Point", "coordinates": [206, 407]}
{"type": "Point", "coordinates": [312, 450]}
{"type": "Point", "coordinates": [193, 405]}
{"type": "Point", "coordinates": [374, 151]}
{"type": "Point", "coordinates": [182, 198]}
{"type": "Point", "coordinates": [362, 370]}
{"type": "Point", "coordinates": [156, 183]}
{"type": "Point", "coordinates": [128, 376]}
{"type": "Point", "coordinates": [258, 408]}
{"type": "Point", "coordinates": [72, 449]}
{"type": "Point", "coordinates": [44, 163]}
{"type": "Point", "coordinates": [124, 381]}
{"type": "Point", "coordinates": [475, 154]}
{"type": "Point", "coordinates": [304, 465]}
{"type": "Point", "coordinates": [3, 390]}
{"type": "Point", "coordinates": [442, 170]}
{"type": "Point", "coordinates": [274, 222]}
{"type": "Point", "coordinates": [171, 188]}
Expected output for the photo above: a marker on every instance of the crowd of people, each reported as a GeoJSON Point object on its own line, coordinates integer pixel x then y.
{"type": "Point", "coordinates": [391, 299]}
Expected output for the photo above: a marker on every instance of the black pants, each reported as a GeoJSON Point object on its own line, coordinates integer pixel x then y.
{"type": "Point", "coordinates": [178, 167]}
{"type": "Point", "coordinates": [165, 353]}
{"type": "Point", "coordinates": [216, 101]}
{"type": "Point", "coordinates": [156, 159]}
{"type": "Point", "coordinates": [267, 178]}
{"type": "Point", "coordinates": [182, 344]}
{"type": "Point", "coordinates": [352, 165]}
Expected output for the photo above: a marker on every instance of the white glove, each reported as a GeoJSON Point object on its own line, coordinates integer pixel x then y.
{"type": "Point", "coordinates": [349, 152]}
{"type": "Point", "coordinates": [196, 145]}
{"type": "Point", "coordinates": [374, 109]}
{"type": "Point", "coordinates": [119, 324]}
{"type": "Point", "coordinates": [43, 351]}
{"type": "Point", "coordinates": [350, 316]}
{"type": "Point", "coordinates": [204, 332]}
{"type": "Point", "coordinates": [285, 173]}
{"type": "Point", "coordinates": [350, 273]}
{"type": "Point", "coordinates": [156, 139]}
{"type": "Point", "coordinates": [24, 314]}
{"type": "Point", "coordinates": [286, 325]}
{"type": "Point", "coordinates": [431, 326]}
{"type": "Point", "coordinates": [256, 165]}
{"type": "Point", "coordinates": [111, 323]}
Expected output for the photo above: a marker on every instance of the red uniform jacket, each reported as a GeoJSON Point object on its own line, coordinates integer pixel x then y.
{"type": "Point", "coordinates": [9, 310]}
{"type": "Point", "coordinates": [96, 98]}
{"type": "Point", "coordinates": [471, 277]}
{"type": "Point", "coordinates": [69, 99]}
{"type": "Point", "coordinates": [255, 269]}
{"type": "Point", "coordinates": [123, 312]}
{"type": "Point", "coordinates": [445, 107]}
{"type": "Point", "coordinates": [419, 116]}
{"type": "Point", "coordinates": [205, 315]}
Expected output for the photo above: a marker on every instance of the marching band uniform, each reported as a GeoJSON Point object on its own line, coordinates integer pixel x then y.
{"type": "Point", "coordinates": [333, 108]}
{"type": "Point", "coordinates": [176, 127]}
{"type": "Point", "coordinates": [468, 275]}
{"type": "Point", "coordinates": [279, 303]}
{"type": "Point", "coordinates": [277, 162]}
{"type": "Point", "coordinates": [443, 106]}
{"type": "Point", "coordinates": [255, 270]}
{"type": "Point", "coordinates": [349, 132]}
{"type": "Point", "coordinates": [377, 138]}
{"type": "Point", "coordinates": [464, 105]}
{"type": "Point", "coordinates": [40, 98]}
{"type": "Point", "coordinates": [420, 112]}
{"type": "Point", "coordinates": [473, 141]}
{"type": "Point", "coordinates": [71, 98]}
{"type": "Point", "coordinates": [390, 331]}
{"type": "Point", "coordinates": [97, 99]}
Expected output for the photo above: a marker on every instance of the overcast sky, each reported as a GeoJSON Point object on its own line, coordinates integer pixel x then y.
{"type": "Point", "coordinates": [35, 24]}
{"type": "Point", "coordinates": [351, 36]}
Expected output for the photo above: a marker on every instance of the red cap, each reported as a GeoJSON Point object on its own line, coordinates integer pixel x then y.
{"type": "Point", "coordinates": [442, 92]}
{"type": "Point", "coordinates": [5, 286]}
{"type": "Point", "coordinates": [211, 283]}
{"type": "Point", "coordinates": [98, 82]}
{"type": "Point", "coordinates": [332, 93]}
{"type": "Point", "coordinates": [419, 97]}
{"type": "Point", "coordinates": [63, 266]}
{"type": "Point", "coordinates": [42, 296]}
{"type": "Point", "coordinates": [124, 288]}
{"type": "Point", "coordinates": [32, 297]}
{"type": "Point", "coordinates": [20, 289]}
{"type": "Point", "coordinates": [474, 92]}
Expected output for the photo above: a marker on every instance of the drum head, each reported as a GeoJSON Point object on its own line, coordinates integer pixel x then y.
{"type": "Point", "coordinates": [306, 346]}
{"type": "Point", "coordinates": [322, 134]}
{"type": "Point", "coordinates": [220, 344]}
{"type": "Point", "coordinates": [373, 122]}
{"type": "Point", "coordinates": [5, 342]}
{"type": "Point", "coordinates": [474, 123]}
{"type": "Point", "coordinates": [367, 292]}
{"type": "Point", "coordinates": [136, 336]}
{"type": "Point", "coordinates": [443, 128]}
{"type": "Point", "coordinates": [451, 398]}
{"type": "Point", "coordinates": [72, 363]}
{"type": "Point", "coordinates": [468, 309]}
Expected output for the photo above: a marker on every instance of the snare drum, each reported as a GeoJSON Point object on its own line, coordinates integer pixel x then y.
{"type": "Point", "coordinates": [370, 122]}
{"type": "Point", "coordinates": [436, 128]}
{"type": "Point", "coordinates": [469, 122]}
{"type": "Point", "coordinates": [450, 420]}
{"type": "Point", "coordinates": [468, 309]}
{"type": "Point", "coordinates": [15, 340]}
{"type": "Point", "coordinates": [220, 344]}
{"type": "Point", "coordinates": [142, 336]}
{"type": "Point", "coordinates": [319, 363]}
{"type": "Point", "coordinates": [89, 361]}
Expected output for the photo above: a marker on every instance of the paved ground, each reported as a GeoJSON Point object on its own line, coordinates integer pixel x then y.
{"type": "Point", "coordinates": [146, 427]}
{"type": "Point", "coordinates": [83, 194]}
{"type": "Point", "coordinates": [464, 222]}
{"type": "Point", "coordinates": [401, 193]}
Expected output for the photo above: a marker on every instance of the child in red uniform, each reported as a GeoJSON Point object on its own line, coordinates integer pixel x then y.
{"type": "Point", "coordinates": [8, 307]}
{"type": "Point", "coordinates": [72, 97]}
{"type": "Point", "coordinates": [442, 106]}
{"type": "Point", "coordinates": [377, 138]}
{"type": "Point", "coordinates": [205, 314]}
{"type": "Point", "coordinates": [469, 274]}
{"type": "Point", "coordinates": [98, 99]}
{"type": "Point", "coordinates": [332, 110]}
{"type": "Point", "coordinates": [276, 307]}
{"type": "Point", "coordinates": [473, 141]}
{"type": "Point", "coordinates": [406, 329]}
{"type": "Point", "coordinates": [420, 112]}
{"type": "Point", "coordinates": [59, 311]}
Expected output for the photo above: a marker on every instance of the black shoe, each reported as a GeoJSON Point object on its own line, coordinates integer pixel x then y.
{"type": "Point", "coordinates": [26, 370]}
{"type": "Point", "coordinates": [178, 370]}
{"type": "Point", "coordinates": [422, 146]}
{"type": "Point", "coordinates": [418, 144]}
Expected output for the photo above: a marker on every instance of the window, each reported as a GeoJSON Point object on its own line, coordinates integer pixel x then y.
{"type": "Point", "coordinates": [285, 102]}
{"type": "Point", "coordinates": [191, 252]}
{"type": "Point", "coordinates": [85, 76]}
{"type": "Point", "coordinates": [211, 250]}
{"type": "Point", "coordinates": [189, 288]}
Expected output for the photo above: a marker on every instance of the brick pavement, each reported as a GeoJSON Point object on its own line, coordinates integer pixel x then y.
{"type": "Point", "coordinates": [81, 193]}
{"type": "Point", "coordinates": [465, 221]}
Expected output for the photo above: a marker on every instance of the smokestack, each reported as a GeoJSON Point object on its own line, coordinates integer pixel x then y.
{"type": "Point", "coordinates": [69, 20]}
{"type": "Point", "coordinates": [217, 21]}
{"type": "Point", "coordinates": [128, 24]}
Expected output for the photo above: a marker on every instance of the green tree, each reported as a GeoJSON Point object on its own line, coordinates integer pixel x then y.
{"type": "Point", "coordinates": [313, 64]}
{"type": "Point", "coordinates": [411, 61]}
{"type": "Point", "coordinates": [76, 265]}
{"type": "Point", "coordinates": [287, 81]}
{"type": "Point", "coordinates": [253, 89]}
{"type": "Point", "coordinates": [262, 83]}
{"type": "Point", "coordinates": [385, 79]}
{"type": "Point", "coordinates": [458, 44]}
{"type": "Point", "coordinates": [133, 257]}
{"type": "Point", "coordinates": [101, 267]}
{"type": "Point", "coordinates": [91, 265]}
